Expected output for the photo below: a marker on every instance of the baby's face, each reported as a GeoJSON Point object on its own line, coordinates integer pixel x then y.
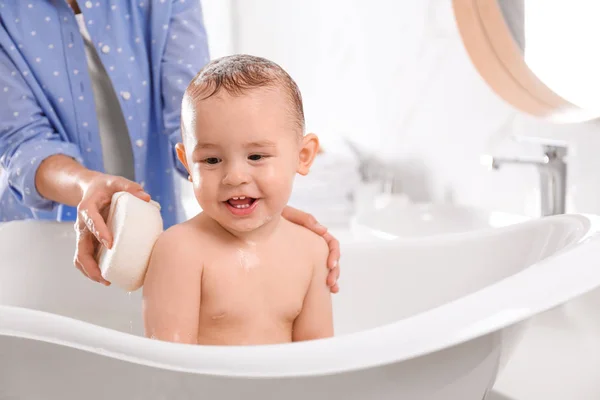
{"type": "Point", "coordinates": [243, 153]}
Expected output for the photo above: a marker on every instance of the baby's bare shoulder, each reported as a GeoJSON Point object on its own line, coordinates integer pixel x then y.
{"type": "Point", "coordinates": [179, 234]}
{"type": "Point", "coordinates": [308, 241]}
{"type": "Point", "coordinates": [183, 239]}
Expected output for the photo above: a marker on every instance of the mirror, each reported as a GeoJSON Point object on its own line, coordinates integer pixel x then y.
{"type": "Point", "coordinates": [539, 56]}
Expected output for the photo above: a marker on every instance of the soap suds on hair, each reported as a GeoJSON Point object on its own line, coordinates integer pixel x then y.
{"type": "Point", "coordinates": [237, 74]}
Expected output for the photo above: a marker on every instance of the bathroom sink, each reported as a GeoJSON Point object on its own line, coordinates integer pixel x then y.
{"type": "Point", "coordinates": [396, 218]}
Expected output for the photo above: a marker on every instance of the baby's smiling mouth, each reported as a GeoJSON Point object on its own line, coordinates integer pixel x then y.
{"type": "Point", "coordinates": [241, 201]}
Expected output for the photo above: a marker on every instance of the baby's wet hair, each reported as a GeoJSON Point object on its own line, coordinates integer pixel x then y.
{"type": "Point", "coordinates": [239, 73]}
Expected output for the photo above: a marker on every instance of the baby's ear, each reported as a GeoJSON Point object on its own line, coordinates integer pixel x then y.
{"type": "Point", "coordinates": [180, 149]}
{"type": "Point", "coordinates": [308, 151]}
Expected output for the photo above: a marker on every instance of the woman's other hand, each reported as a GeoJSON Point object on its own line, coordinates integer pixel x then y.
{"type": "Point", "coordinates": [308, 221]}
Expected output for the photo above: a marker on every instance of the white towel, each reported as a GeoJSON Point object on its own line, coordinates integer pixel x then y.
{"type": "Point", "coordinates": [135, 225]}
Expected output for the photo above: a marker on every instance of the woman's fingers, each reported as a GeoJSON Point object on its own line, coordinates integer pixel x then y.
{"type": "Point", "coordinates": [125, 185]}
{"type": "Point", "coordinates": [78, 265]}
{"type": "Point", "coordinates": [301, 218]}
{"type": "Point", "coordinates": [91, 224]}
{"type": "Point", "coordinates": [94, 222]}
{"type": "Point", "coordinates": [84, 256]}
{"type": "Point", "coordinates": [99, 200]}
{"type": "Point", "coordinates": [334, 251]}
{"type": "Point", "coordinates": [308, 221]}
{"type": "Point", "coordinates": [335, 288]}
{"type": "Point", "coordinates": [333, 262]}
{"type": "Point", "coordinates": [332, 277]}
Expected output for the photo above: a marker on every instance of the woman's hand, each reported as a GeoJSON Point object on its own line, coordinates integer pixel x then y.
{"type": "Point", "coordinates": [308, 221]}
{"type": "Point", "coordinates": [92, 211]}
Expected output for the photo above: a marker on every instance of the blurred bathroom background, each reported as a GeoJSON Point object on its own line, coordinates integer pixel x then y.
{"type": "Point", "coordinates": [398, 106]}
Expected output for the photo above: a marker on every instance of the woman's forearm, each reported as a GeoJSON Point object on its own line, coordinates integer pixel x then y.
{"type": "Point", "coordinates": [62, 179]}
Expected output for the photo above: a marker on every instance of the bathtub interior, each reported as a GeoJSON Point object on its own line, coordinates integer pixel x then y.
{"type": "Point", "coordinates": [382, 282]}
{"type": "Point", "coordinates": [428, 219]}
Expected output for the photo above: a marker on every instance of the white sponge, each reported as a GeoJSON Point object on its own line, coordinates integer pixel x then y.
{"type": "Point", "coordinates": [135, 225]}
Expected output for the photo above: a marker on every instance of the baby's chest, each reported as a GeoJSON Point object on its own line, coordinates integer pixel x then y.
{"type": "Point", "coordinates": [247, 287]}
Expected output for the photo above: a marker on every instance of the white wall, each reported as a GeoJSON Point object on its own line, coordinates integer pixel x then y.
{"type": "Point", "coordinates": [219, 22]}
{"type": "Point", "coordinates": [393, 76]}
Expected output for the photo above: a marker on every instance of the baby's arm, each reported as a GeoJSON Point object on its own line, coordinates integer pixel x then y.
{"type": "Point", "coordinates": [172, 288]}
{"type": "Point", "coordinates": [315, 321]}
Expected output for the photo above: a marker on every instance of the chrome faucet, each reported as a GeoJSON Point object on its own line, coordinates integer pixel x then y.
{"type": "Point", "coordinates": [552, 168]}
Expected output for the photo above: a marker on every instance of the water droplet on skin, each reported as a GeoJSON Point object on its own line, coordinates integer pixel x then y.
{"type": "Point", "coordinates": [248, 259]}
{"type": "Point", "coordinates": [131, 320]}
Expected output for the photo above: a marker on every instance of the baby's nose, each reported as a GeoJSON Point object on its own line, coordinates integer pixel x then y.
{"type": "Point", "coordinates": [235, 176]}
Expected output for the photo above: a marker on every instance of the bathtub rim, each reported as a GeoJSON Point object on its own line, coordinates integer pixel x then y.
{"type": "Point", "coordinates": [489, 312]}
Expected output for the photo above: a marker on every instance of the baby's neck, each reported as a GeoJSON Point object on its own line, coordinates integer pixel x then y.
{"type": "Point", "coordinates": [260, 235]}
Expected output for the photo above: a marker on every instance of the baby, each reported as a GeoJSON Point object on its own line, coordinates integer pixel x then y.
{"type": "Point", "coordinates": [239, 273]}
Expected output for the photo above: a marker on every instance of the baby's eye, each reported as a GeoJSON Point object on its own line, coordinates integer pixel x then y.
{"type": "Point", "coordinates": [256, 157]}
{"type": "Point", "coordinates": [212, 160]}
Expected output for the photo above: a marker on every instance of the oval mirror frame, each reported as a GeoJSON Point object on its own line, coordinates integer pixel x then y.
{"type": "Point", "coordinates": [498, 59]}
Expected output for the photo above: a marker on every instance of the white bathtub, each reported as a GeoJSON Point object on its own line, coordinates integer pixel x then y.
{"type": "Point", "coordinates": [396, 218]}
{"type": "Point", "coordinates": [431, 318]}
